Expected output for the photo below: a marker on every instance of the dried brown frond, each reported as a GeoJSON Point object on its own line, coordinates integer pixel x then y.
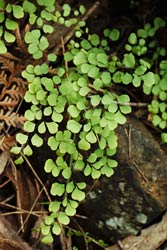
{"type": "Point", "coordinates": [12, 90]}
{"type": "Point", "coordinates": [3, 77]}
{"type": "Point", "coordinates": [7, 64]}
{"type": "Point", "coordinates": [12, 86]}
{"type": "Point", "coordinates": [6, 142]}
{"type": "Point", "coordinates": [8, 55]}
{"type": "Point", "coordinates": [20, 41]}
{"type": "Point", "coordinates": [22, 84]}
{"type": "Point", "coordinates": [8, 103]}
{"type": "Point", "coordinates": [15, 92]}
{"type": "Point", "coordinates": [11, 64]}
{"type": "Point", "coordinates": [11, 118]}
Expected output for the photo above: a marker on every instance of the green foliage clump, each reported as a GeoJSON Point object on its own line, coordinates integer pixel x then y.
{"type": "Point", "coordinates": [143, 65]}
{"type": "Point", "coordinates": [80, 112]}
{"type": "Point", "coordinates": [157, 107]}
{"type": "Point", "coordinates": [8, 23]}
{"type": "Point", "coordinates": [40, 14]}
{"type": "Point", "coordinates": [74, 109]}
{"type": "Point", "coordinates": [151, 71]}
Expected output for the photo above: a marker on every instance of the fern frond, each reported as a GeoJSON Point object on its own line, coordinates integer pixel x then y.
{"type": "Point", "coordinates": [12, 90]}
{"type": "Point", "coordinates": [6, 142]}
{"type": "Point", "coordinates": [9, 102]}
{"type": "Point", "coordinates": [20, 83]}
{"type": "Point", "coordinates": [8, 55]}
{"type": "Point", "coordinates": [11, 118]}
{"type": "Point", "coordinates": [15, 93]}
{"type": "Point", "coordinates": [7, 64]}
{"type": "Point", "coordinates": [20, 41]}
{"type": "Point", "coordinates": [3, 78]}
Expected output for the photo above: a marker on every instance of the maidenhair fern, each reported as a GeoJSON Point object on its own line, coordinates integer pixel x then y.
{"type": "Point", "coordinates": [79, 110]}
{"type": "Point", "coordinates": [73, 106]}
{"type": "Point", "coordinates": [40, 14]}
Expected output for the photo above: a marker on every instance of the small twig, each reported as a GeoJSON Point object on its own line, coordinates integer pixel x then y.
{"type": "Point", "coordinates": [8, 198]}
{"type": "Point", "coordinates": [65, 62]}
{"type": "Point", "coordinates": [19, 210]}
{"type": "Point", "coordinates": [4, 184]}
{"type": "Point", "coordinates": [65, 241]}
{"type": "Point", "coordinates": [132, 104]}
{"type": "Point", "coordinates": [91, 10]}
{"type": "Point", "coordinates": [129, 135]}
{"type": "Point", "coordinates": [37, 177]}
{"type": "Point", "coordinates": [32, 207]}
{"type": "Point", "coordinates": [22, 212]}
{"type": "Point", "coordinates": [81, 216]}
{"type": "Point", "coordinates": [129, 142]}
{"type": "Point", "coordinates": [119, 243]}
{"type": "Point", "coordinates": [140, 172]}
{"type": "Point", "coordinates": [91, 188]}
{"type": "Point", "coordinates": [18, 194]}
{"type": "Point", "coordinates": [87, 237]}
{"type": "Point", "coordinates": [70, 32]}
{"type": "Point", "coordinates": [82, 231]}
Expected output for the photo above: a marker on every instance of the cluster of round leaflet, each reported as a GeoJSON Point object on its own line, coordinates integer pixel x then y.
{"type": "Point", "coordinates": [11, 13]}
{"type": "Point", "coordinates": [76, 106]}
{"type": "Point", "coordinates": [80, 112]}
{"type": "Point", "coordinates": [157, 107]}
{"type": "Point", "coordinates": [40, 15]}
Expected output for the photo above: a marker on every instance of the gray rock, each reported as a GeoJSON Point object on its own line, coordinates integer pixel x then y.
{"type": "Point", "coordinates": [137, 192]}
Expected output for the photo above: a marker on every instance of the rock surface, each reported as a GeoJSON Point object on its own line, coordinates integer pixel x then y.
{"type": "Point", "coordinates": [136, 195]}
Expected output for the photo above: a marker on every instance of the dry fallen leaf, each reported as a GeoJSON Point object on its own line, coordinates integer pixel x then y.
{"type": "Point", "coordinates": [9, 240]}
{"type": "Point", "coordinates": [150, 238]}
{"type": "Point", "coordinates": [4, 157]}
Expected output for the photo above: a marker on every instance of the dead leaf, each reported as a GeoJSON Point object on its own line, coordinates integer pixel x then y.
{"type": "Point", "coordinates": [27, 197]}
{"type": "Point", "coordinates": [4, 157]}
{"type": "Point", "coordinates": [6, 244]}
{"type": "Point", "coordinates": [150, 238]}
{"type": "Point", "coordinates": [9, 240]}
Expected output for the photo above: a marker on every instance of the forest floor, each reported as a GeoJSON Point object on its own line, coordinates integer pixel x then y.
{"type": "Point", "coordinates": [16, 185]}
